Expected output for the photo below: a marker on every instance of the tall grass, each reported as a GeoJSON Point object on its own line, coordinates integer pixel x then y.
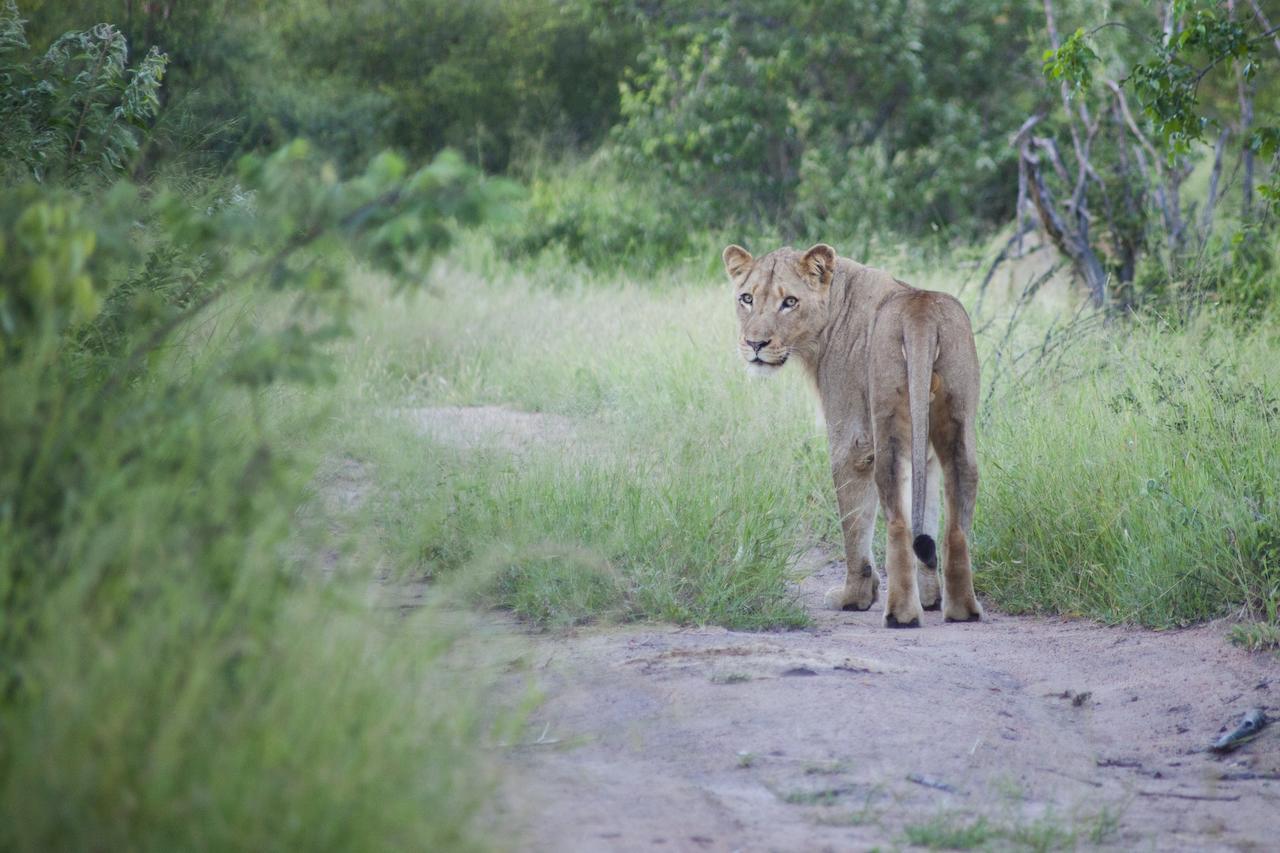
{"type": "Point", "coordinates": [179, 670]}
{"type": "Point", "coordinates": [682, 490]}
{"type": "Point", "coordinates": [1137, 481]}
{"type": "Point", "coordinates": [1129, 477]}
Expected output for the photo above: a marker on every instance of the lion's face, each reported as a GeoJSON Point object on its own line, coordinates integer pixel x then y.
{"type": "Point", "coordinates": [781, 300]}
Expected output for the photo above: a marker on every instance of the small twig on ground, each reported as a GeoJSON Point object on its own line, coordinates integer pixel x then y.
{"type": "Point", "coordinates": [1248, 776]}
{"type": "Point", "coordinates": [1071, 777]}
{"type": "Point", "coordinates": [1129, 763]}
{"type": "Point", "coordinates": [930, 782]}
{"type": "Point", "coordinates": [1174, 794]}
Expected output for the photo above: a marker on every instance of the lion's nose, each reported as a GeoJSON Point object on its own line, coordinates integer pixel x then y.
{"type": "Point", "coordinates": [757, 345]}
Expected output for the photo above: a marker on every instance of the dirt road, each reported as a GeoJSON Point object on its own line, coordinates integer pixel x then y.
{"type": "Point", "coordinates": [1015, 733]}
{"type": "Point", "coordinates": [1027, 733]}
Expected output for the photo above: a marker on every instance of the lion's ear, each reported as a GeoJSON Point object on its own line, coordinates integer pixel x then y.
{"type": "Point", "coordinates": [737, 260]}
{"type": "Point", "coordinates": [819, 264]}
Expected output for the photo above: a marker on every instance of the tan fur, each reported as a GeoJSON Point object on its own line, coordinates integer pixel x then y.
{"type": "Point", "coordinates": [896, 371]}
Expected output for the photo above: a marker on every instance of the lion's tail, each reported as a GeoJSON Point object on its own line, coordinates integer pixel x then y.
{"type": "Point", "coordinates": [920, 345]}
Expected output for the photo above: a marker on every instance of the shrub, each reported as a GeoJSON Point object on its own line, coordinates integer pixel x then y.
{"type": "Point", "coordinates": [170, 675]}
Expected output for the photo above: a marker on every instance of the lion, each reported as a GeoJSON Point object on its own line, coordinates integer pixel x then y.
{"type": "Point", "coordinates": [896, 372]}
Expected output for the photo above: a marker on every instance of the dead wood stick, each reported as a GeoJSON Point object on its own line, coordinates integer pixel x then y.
{"type": "Point", "coordinates": [1174, 794]}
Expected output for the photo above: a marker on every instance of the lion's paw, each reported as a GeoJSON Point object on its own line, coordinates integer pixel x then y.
{"type": "Point", "coordinates": [844, 598]}
{"type": "Point", "coordinates": [903, 611]}
{"type": "Point", "coordinates": [963, 611]}
{"type": "Point", "coordinates": [930, 589]}
{"type": "Point", "coordinates": [892, 621]}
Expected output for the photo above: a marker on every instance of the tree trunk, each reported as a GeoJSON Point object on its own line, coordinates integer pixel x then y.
{"type": "Point", "coordinates": [1244, 91]}
{"type": "Point", "coordinates": [1072, 243]}
{"type": "Point", "coordinates": [1246, 153]}
{"type": "Point", "coordinates": [1206, 218]}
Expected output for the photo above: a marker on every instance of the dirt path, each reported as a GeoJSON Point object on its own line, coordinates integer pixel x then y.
{"type": "Point", "coordinates": [709, 739]}
{"type": "Point", "coordinates": [1046, 734]}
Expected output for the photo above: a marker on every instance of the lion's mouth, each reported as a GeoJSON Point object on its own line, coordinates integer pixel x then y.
{"type": "Point", "coordinates": [758, 361]}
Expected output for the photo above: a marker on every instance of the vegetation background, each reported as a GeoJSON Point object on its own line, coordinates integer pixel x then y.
{"type": "Point", "coordinates": [239, 239]}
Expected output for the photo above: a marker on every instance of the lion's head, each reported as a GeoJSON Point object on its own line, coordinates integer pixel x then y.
{"type": "Point", "coordinates": [781, 301]}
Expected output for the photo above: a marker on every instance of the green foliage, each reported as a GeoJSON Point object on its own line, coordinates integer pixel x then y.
{"type": "Point", "coordinates": [1146, 212]}
{"type": "Point", "coordinates": [486, 78]}
{"type": "Point", "coordinates": [293, 234]}
{"type": "Point", "coordinates": [1167, 79]}
{"type": "Point", "coordinates": [434, 63]}
{"type": "Point", "coordinates": [1241, 273]}
{"type": "Point", "coordinates": [1166, 84]}
{"type": "Point", "coordinates": [13, 34]}
{"type": "Point", "coordinates": [1072, 62]}
{"type": "Point", "coordinates": [79, 107]}
{"type": "Point", "coordinates": [46, 250]}
{"type": "Point", "coordinates": [586, 213]}
{"type": "Point", "coordinates": [170, 676]}
{"type": "Point", "coordinates": [849, 116]}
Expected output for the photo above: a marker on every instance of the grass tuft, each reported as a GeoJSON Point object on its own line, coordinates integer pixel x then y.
{"type": "Point", "coordinates": [949, 832]}
{"type": "Point", "coordinates": [1256, 636]}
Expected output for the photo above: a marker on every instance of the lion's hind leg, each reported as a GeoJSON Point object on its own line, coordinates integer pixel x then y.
{"type": "Point", "coordinates": [902, 606]}
{"type": "Point", "coordinates": [953, 439]}
{"type": "Point", "coordinates": [927, 578]}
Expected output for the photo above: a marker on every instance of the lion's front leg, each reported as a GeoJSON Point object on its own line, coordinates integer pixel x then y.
{"type": "Point", "coordinates": [856, 497]}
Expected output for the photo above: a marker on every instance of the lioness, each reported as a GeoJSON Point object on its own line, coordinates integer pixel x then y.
{"type": "Point", "coordinates": [896, 372]}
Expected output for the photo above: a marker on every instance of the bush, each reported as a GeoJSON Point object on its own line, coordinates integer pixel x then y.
{"type": "Point", "coordinates": [78, 108]}
{"type": "Point", "coordinates": [819, 113]}
{"type": "Point", "coordinates": [172, 674]}
{"type": "Point", "coordinates": [412, 75]}
{"type": "Point", "coordinates": [588, 214]}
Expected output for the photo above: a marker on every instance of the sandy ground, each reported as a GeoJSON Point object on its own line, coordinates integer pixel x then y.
{"type": "Point", "coordinates": [1059, 734]}
{"type": "Point", "coordinates": [840, 736]}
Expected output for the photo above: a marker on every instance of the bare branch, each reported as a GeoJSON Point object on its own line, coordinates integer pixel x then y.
{"type": "Point", "coordinates": [1051, 148]}
{"type": "Point", "coordinates": [1074, 243]}
{"type": "Point", "coordinates": [1051, 24]}
{"type": "Point", "coordinates": [1244, 93]}
{"type": "Point", "coordinates": [1266, 25]}
{"type": "Point", "coordinates": [1086, 168]}
{"type": "Point", "coordinates": [1206, 218]}
{"type": "Point", "coordinates": [1133, 125]}
{"type": "Point", "coordinates": [1082, 156]}
{"type": "Point", "coordinates": [1015, 243]}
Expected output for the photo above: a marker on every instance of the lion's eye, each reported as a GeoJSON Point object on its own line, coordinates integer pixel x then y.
{"type": "Point", "coordinates": [790, 302]}
{"type": "Point", "coordinates": [745, 299]}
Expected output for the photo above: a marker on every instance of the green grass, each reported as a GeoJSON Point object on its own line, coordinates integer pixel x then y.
{"type": "Point", "coordinates": [955, 831]}
{"type": "Point", "coordinates": [950, 833]}
{"type": "Point", "coordinates": [178, 668]}
{"type": "Point", "coordinates": [1256, 637]}
{"type": "Point", "coordinates": [1137, 482]}
{"type": "Point", "coordinates": [675, 497]}
{"type": "Point", "coordinates": [329, 729]}
{"type": "Point", "coordinates": [1128, 475]}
